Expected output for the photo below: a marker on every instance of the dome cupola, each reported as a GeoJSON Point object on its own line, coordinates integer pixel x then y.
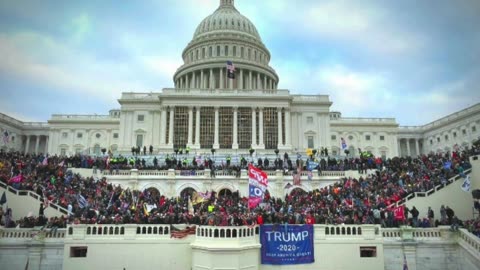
{"type": "Point", "coordinates": [226, 35]}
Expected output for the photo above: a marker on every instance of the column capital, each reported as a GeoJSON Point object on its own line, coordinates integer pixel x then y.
{"type": "Point", "coordinates": [235, 108]}
{"type": "Point", "coordinates": [190, 108]}
{"type": "Point", "coordinates": [216, 108]}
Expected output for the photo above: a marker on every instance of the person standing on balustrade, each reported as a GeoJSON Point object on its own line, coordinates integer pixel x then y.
{"type": "Point", "coordinates": [430, 216]}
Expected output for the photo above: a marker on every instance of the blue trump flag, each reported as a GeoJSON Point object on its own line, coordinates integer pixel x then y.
{"type": "Point", "coordinates": [312, 165]}
{"type": "Point", "coordinates": [287, 244]}
{"type": "Point", "coordinates": [447, 165]}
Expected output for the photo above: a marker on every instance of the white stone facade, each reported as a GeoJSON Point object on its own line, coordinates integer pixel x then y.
{"type": "Point", "coordinates": [109, 246]}
{"type": "Point", "coordinates": [207, 109]}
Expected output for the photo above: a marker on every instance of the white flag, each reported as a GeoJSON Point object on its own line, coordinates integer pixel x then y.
{"type": "Point", "coordinates": [466, 184]}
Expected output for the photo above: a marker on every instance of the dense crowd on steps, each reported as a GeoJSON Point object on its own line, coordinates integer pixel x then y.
{"type": "Point", "coordinates": [350, 201]}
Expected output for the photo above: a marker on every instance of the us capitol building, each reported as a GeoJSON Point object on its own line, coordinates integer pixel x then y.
{"type": "Point", "coordinates": [207, 109]}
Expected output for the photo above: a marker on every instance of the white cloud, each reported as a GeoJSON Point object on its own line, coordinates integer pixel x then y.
{"type": "Point", "coordinates": [73, 71]}
{"type": "Point", "coordinates": [162, 65]}
{"type": "Point", "coordinates": [347, 21]}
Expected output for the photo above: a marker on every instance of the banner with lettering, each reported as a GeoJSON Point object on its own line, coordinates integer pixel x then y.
{"type": "Point", "coordinates": [287, 244]}
{"type": "Point", "coordinates": [257, 185]}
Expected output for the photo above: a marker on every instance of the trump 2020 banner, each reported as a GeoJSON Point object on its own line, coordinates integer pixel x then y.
{"type": "Point", "coordinates": [257, 185]}
{"type": "Point", "coordinates": [287, 244]}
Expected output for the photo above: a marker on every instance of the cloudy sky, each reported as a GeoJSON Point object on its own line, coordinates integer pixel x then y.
{"type": "Point", "coordinates": [413, 60]}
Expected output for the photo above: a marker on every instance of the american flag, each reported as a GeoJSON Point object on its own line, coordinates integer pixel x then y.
{"type": "Point", "coordinates": [177, 233]}
{"type": "Point", "coordinates": [6, 137]}
{"type": "Point", "coordinates": [344, 144]}
{"type": "Point", "coordinates": [230, 70]}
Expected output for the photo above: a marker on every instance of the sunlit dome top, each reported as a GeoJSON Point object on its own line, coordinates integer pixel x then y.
{"type": "Point", "coordinates": [226, 19]}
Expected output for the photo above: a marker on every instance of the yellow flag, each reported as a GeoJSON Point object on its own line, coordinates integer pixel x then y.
{"type": "Point", "coordinates": [190, 206]}
{"type": "Point", "coordinates": [309, 152]}
{"type": "Point", "coordinates": [145, 210]}
{"type": "Point", "coordinates": [196, 199]}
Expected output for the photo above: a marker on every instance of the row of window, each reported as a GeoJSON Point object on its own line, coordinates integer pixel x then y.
{"type": "Point", "coordinates": [367, 137]}
{"type": "Point", "coordinates": [446, 137]}
{"type": "Point", "coordinates": [80, 135]}
{"type": "Point", "coordinates": [227, 50]}
{"type": "Point", "coordinates": [209, 24]}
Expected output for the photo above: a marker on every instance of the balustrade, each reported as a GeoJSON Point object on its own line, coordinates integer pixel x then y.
{"type": "Point", "coordinates": [226, 232]}
{"type": "Point", "coordinates": [470, 240]}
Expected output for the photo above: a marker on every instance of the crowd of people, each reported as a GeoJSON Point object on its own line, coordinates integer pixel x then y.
{"type": "Point", "coordinates": [194, 161]}
{"type": "Point", "coordinates": [350, 201]}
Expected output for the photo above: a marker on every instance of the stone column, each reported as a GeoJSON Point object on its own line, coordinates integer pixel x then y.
{"type": "Point", "coordinates": [408, 148]}
{"type": "Point", "coordinates": [170, 130]}
{"type": "Point", "coordinates": [259, 81]}
{"type": "Point", "coordinates": [222, 86]}
{"type": "Point", "coordinates": [202, 80]}
{"type": "Point", "coordinates": [194, 83]}
{"type": "Point", "coordinates": [261, 143]}
{"type": "Point", "coordinates": [300, 131]}
{"type": "Point", "coordinates": [163, 126]}
{"type": "Point", "coordinates": [235, 128]}
{"type": "Point", "coordinates": [216, 144]}
{"type": "Point", "coordinates": [37, 143]}
{"type": "Point", "coordinates": [46, 145]}
{"type": "Point", "coordinates": [254, 127]}
{"type": "Point", "coordinates": [240, 83]}
{"type": "Point", "coordinates": [212, 81]}
{"type": "Point", "coordinates": [27, 145]}
{"type": "Point", "coordinates": [190, 126]}
{"type": "Point", "coordinates": [288, 139]}
{"type": "Point", "coordinates": [265, 81]}
{"type": "Point", "coordinates": [250, 86]}
{"type": "Point", "coordinates": [417, 147]}
{"type": "Point", "coordinates": [399, 146]}
{"type": "Point", "coordinates": [197, 128]}
{"type": "Point", "coordinates": [269, 83]}
{"type": "Point", "coordinates": [181, 82]}
{"type": "Point", "coordinates": [280, 129]}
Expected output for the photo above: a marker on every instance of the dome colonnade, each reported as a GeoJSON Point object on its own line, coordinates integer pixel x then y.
{"type": "Point", "coordinates": [226, 35]}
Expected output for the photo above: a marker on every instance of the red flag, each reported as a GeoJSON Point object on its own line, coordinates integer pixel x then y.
{"type": "Point", "coordinates": [16, 179]}
{"type": "Point", "coordinates": [258, 183]}
{"type": "Point", "coordinates": [399, 213]}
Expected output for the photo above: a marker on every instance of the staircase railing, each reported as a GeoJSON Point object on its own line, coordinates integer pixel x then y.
{"type": "Point", "coordinates": [431, 191]}
{"type": "Point", "coordinates": [33, 195]}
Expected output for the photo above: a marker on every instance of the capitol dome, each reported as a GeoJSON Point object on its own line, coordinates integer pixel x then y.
{"type": "Point", "coordinates": [226, 19]}
{"type": "Point", "coordinates": [226, 35]}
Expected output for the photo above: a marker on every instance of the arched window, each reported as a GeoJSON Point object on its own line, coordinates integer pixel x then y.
{"type": "Point", "coordinates": [226, 51]}
{"type": "Point", "coordinates": [234, 51]}
{"type": "Point", "coordinates": [210, 51]}
{"type": "Point", "coordinates": [225, 192]}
